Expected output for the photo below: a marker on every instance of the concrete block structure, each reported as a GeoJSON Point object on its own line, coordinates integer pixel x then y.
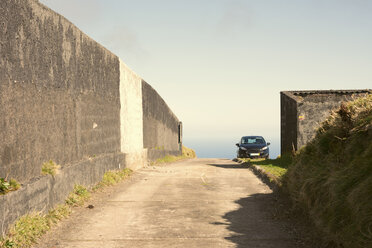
{"type": "Point", "coordinates": [66, 98]}
{"type": "Point", "coordinates": [303, 111]}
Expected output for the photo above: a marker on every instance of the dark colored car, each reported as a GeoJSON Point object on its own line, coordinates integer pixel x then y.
{"type": "Point", "coordinates": [253, 147]}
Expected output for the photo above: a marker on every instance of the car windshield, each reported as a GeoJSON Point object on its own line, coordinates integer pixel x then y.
{"type": "Point", "coordinates": [253, 140]}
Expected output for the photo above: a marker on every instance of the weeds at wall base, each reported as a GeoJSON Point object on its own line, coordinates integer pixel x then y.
{"type": "Point", "coordinates": [186, 153]}
{"type": "Point", "coordinates": [27, 230]}
{"type": "Point", "coordinates": [111, 178]}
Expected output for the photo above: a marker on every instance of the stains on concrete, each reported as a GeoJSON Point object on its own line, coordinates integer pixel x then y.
{"type": "Point", "coordinates": [302, 112]}
{"type": "Point", "coordinates": [53, 80]}
{"type": "Point", "coordinates": [160, 125]}
{"type": "Point", "coordinates": [66, 98]}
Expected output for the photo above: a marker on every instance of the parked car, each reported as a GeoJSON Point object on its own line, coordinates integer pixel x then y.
{"type": "Point", "coordinates": [253, 147]}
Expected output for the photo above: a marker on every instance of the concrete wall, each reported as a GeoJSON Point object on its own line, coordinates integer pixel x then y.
{"type": "Point", "coordinates": [288, 120]}
{"type": "Point", "coordinates": [131, 118]}
{"type": "Point", "coordinates": [160, 125]}
{"type": "Point", "coordinates": [66, 98]}
{"type": "Point", "coordinates": [44, 192]}
{"type": "Point", "coordinates": [58, 92]}
{"type": "Point", "coordinates": [302, 112]}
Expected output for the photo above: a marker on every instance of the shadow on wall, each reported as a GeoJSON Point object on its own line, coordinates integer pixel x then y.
{"type": "Point", "coordinates": [253, 224]}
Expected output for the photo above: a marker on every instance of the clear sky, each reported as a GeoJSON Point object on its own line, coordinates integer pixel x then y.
{"type": "Point", "coordinates": [221, 64]}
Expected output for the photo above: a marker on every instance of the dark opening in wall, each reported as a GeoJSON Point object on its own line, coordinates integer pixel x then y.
{"type": "Point", "coordinates": [180, 132]}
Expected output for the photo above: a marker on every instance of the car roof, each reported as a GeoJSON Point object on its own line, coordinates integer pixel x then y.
{"type": "Point", "coordinates": [252, 137]}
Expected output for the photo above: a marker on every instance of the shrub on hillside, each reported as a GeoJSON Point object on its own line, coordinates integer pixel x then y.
{"type": "Point", "coordinates": [188, 152]}
{"type": "Point", "coordinates": [331, 177]}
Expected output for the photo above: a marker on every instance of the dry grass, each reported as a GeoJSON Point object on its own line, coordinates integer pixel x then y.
{"type": "Point", "coordinates": [29, 228]}
{"type": "Point", "coordinates": [78, 196]}
{"type": "Point", "coordinates": [186, 153]}
{"type": "Point", "coordinates": [50, 168]}
{"type": "Point", "coordinates": [113, 177]}
{"type": "Point", "coordinates": [331, 178]}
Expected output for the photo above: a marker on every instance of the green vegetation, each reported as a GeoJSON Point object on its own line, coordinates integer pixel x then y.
{"type": "Point", "coordinates": [29, 228]}
{"type": "Point", "coordinates": [49, 168]}
{"type": "Point", "coordinates": [186, 153]}
{"type": "Point", "coordinates": [6, 186]}
{"type": "Point", "coordinates": [113, 177]}
{"type": "Point", "coordinates": [78, 196]}
{"type": "Point", "coordinates": [277, 167]}
{"type": "Point", "coordinates": [331, 178]}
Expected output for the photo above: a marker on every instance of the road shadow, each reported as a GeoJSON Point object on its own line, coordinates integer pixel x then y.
{"type": "Point", "coordinates": [265, 220]}
{"type": "Point", "coordinates": [253, 224]}
{"type": "Point", "coordinates": [230, 166]}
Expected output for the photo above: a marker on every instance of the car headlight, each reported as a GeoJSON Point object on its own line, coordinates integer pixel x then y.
{"type": "Point", "coordinates": [243, 148]}
{"type": "Point", "coordinates": [264, 148]}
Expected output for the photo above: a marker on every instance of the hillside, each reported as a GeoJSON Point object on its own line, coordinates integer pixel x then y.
{"type": "Point", "coordinates": [331, 177]}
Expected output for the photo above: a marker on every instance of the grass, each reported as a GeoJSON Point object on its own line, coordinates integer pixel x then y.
{"type": "Point", "coordinates": [29, 228]}
{"type": "Point", "coordinates": [26, 231]}
{"type": "Point", "coordinates": [331, 178]}
{"type": "Point", "coordinates": [49, 168]}
{"type": "Point", "coordinates": [112, 177]}
{"type": "Point", "coordinates": [7, 186]}
{"type": "Point", "coordinates": [78, 196]}
{"type": "Point", "coordinates": [277, 167]}
{"type": "Point", "coordinates": [186, 153]}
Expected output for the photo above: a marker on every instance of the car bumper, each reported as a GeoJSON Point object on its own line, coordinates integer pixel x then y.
{"type": "Point", "coordinates": [254, 154]}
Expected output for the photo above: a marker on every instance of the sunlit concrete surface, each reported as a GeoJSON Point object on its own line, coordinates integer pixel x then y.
{"type": "Point", "coordinates": [193, 203]}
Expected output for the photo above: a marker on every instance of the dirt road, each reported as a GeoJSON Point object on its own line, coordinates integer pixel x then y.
{"type": "Point", "coordinates": [194, 203]}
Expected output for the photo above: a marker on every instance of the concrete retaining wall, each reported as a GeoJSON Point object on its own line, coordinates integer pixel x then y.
{"type": "Point", "coordinates": [160, 125]}
{"type": "Point", "coordinates": [302, 112]}
{"type": "Point", "coordinates": [131, 118]}
{"type": "Point", "coordinates": [55, 85]}
{"type": "Point", "coordinates": [44, 192]}
{"type": "Point", "coordinates": [66, 98]}
{"type": "Point", "coordinates": [288, 123]}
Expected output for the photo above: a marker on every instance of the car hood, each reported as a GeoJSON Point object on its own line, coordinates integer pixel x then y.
{"type": "Point", "coordinates": [253, 146]}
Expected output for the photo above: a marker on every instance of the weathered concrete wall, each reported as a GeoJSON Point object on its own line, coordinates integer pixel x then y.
{"type": "Point", "coordinates": [314, 109]}
{"type": "Point", "coordinates": [302, 112]}
{"type": "Point", "coordinates": [65, 97]}
{"type": "Point", "coordinates": [131, 118]}
{"type": "Point", "coordinates": [288, 127]}
{"type": "Point", "coordinates": [43, 193]}
{"type": "Point", "coordinates": [160, 125]}
{"type": "Point", "coordinates": [58, 92]}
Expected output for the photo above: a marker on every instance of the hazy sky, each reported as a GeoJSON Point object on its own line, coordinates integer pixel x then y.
{"type": "Point", "coordinates": [221, 64]}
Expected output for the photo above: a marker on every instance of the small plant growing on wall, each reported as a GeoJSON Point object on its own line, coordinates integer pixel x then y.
{"type": "Point", "coordinates": [50, 168]}
{"type": "Point", "coordinates": [6, 186]}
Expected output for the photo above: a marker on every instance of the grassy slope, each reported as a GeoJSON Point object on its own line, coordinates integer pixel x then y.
{"type": "Point", "coordinates": [277, 167]}
{"type": "Point", "coordinates": [331, 178]}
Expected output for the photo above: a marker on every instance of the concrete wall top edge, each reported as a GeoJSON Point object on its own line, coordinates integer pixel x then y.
{"type": "Point", "coordinates": [169, 109]}
{"type": "Point", "coordinates": [122, 63]}
{"type": "Point", "coordinates": [59, 91]}
{"type": "Point", "coordinates": [301, 95]}
{"type": "Point", "coordinates": [50, 12]}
